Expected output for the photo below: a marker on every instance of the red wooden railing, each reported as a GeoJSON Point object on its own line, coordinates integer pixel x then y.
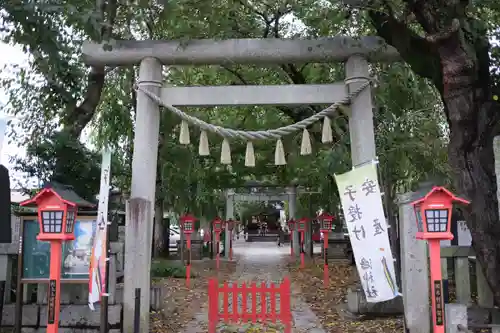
{"type": "Point", "coordinates": [233, 315]}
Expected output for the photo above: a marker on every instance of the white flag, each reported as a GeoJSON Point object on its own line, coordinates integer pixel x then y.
{"type": "Point", "coordinates": [364, 216]}
{"type": "Point", "coordinates": [97, 272]}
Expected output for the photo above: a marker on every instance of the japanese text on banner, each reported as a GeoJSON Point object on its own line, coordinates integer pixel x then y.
{"type": "Point", "coordinates": [365, 219]}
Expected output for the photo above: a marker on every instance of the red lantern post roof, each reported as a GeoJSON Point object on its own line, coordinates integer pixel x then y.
{"type": "Point", "coordinates": [188, 218]}
{"type": "Point", "coordinates": [326, 217]}
{"type": "Point", "coordinates": [439, 189]}
{"type": "Point", "coordinates": [65, 193]}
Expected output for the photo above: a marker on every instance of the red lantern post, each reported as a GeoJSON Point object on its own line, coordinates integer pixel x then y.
{"type": "Point", "coordinates": [326, 225]}
{"type": "Point", "coordinates": [291, 228]}
{"type": "Point", "coordinates": [187, 227]}
{"type": "Point", "coordinates": [301, 227]}
{"type": "Point", "coordinates": [56, 216]}
{"type": "Point", "coordinates": [218, 226]}
{"type": "Point", "coordinates": [433, 213]}
{"type": "Point", "coordinates": [230, 227]}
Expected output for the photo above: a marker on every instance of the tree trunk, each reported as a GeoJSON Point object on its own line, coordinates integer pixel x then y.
{"type": "Point", "coordinates": [472, 160]}
{"type": "Point", "coordinates": [454, 55]}
{"type": "Point", "coordinates": [159, 232]}
{"type": "Point", "coordinates": [472, 117]}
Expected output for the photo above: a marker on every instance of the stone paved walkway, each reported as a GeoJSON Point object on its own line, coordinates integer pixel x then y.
{"type": "Point", "coordinates": [261, 262]}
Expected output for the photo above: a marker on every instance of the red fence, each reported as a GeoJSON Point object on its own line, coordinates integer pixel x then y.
{"type": "Point", "coordinates": [232, 314]}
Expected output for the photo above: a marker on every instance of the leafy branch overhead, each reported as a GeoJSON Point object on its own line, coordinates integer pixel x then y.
{"type": "Point", "coordinates": [435, 115]}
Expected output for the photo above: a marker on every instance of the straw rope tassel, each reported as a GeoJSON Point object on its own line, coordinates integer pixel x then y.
{"type": "Point", "coordinates": [184, 134]}
{"type": "Point", "coordinates": [225, 154]}
{"type": "Point", "coordinates": [326, 135]}
{"type": "Point", "coordinates": [305, 145]}
{"type": "Point", "coordinates": [203, 148]}
{"type": "Point", "coordinates": [250, 155]}
{"type": "Point", "coordinates": [279, 153]}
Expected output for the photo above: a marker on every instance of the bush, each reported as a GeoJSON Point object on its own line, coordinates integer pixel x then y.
{"type": "Point", "coordinates": [166, 268]}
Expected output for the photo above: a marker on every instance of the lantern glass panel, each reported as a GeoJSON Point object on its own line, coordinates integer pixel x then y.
{"type": "Point", "coordinates": [437, 220]}
{"type": "Point", "coordinates": [52, 221]}
{"type": "Point", "coordinates": [418, 214]}
{"type": "Point", "coordinates": [188, 226]}
{"type": "Point", "coordinates": [70, 221]}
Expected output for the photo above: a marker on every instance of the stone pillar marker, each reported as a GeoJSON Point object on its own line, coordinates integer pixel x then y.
{"type": "Point", "coordinates": [292, 209]}
{"type": "Point", "coordinates": [139, 219]}
{"type": "Point", "coordinates": [414, 269]}
{"type": "Point", "coordinates": [229, 215]}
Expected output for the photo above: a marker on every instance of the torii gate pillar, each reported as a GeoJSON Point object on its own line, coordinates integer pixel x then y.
{"type": "Point", "coordinates": [361, 118]}
{"type": "Point", "coordinates": [139, 224]}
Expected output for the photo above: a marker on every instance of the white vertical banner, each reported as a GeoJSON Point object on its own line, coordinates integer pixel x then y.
{"type": "Point", "coordinates": [365, 219]}
{"type": "Point", "coordinates": [97, 273]}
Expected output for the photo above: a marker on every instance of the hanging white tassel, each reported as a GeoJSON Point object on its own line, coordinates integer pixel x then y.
{"type": "Point", "coordinates": [279, 153]}
{"type": "Point", "coordinates": [327, 135]}
{"type": "Point", "coordinates": [250, 155]}
{"type": "Point", "coordinates": [203, 149]}
{"type": "Point", "coordinates": [225, 154]}
{"type": "Point", "coordinates": [184, 134]}
{"type": "Point", "coordinates": [305, 145]}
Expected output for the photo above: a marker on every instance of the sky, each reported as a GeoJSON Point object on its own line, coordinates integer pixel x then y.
{"type": "Point", "coordinates": [9, 55]}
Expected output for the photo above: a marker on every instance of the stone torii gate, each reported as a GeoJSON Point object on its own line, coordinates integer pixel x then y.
{"type": "Point", "coordinates": [288, 194]}
{"type": "Point", "coordinates": [153, 55]}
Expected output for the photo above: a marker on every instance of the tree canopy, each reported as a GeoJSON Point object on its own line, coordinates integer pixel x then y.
{"type": "Point", "coordinates": [436, 112]}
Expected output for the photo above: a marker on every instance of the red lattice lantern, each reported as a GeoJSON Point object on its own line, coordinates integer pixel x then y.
{"type": "Point", "coordinates": [187, 224]}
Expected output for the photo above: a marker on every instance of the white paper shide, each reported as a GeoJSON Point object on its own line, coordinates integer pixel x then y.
{"type": "Point", "coordinates": [365, 219]}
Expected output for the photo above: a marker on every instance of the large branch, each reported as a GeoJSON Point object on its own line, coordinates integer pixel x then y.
{"type": "Point", "coordinates": [419, 53]}
{"type": "Point", "coordinates": [82, 114]}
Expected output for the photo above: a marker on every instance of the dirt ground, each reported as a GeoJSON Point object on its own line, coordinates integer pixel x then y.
{"type": "Point", "coordinates": [182, 303]}
{"type": "Point", "coordinates": [327, 303]}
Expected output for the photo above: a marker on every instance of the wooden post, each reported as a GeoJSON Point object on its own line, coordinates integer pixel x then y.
{"type": "Point", "coordinates": [462, 280]}
{"type": "Point", "coordinates": [484, 293]}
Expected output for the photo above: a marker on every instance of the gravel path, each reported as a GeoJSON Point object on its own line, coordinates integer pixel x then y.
{"type": "Point", "coordinates": [260, 263]}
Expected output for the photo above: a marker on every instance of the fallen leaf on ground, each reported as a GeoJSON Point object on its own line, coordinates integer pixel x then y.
{"type": "Point", "coordinates": [328, 302]}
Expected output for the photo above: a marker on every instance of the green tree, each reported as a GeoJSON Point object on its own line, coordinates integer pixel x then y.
{"type": "Point", "coordinates": [415, 112]}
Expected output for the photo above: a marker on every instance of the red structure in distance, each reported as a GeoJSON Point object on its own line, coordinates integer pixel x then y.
{"type": "Point", "coordinates": [218, 226]}
{"type": "Point", "coordinates": [230, 226]}
{"type": "Point", "coordinates": [301, 228]}
{"type": "Point", "coordinates": [187, 227]}
{"type": "Point", "coordinates": [325, 220]}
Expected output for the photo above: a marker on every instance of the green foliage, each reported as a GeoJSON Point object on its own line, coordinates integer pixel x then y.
{"type": "Point", "coordinates": [166, 268]}
{"type": "Point", "coordinates": [63, 159]}
{"type": "Point", "coordinates": [410, 131]}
